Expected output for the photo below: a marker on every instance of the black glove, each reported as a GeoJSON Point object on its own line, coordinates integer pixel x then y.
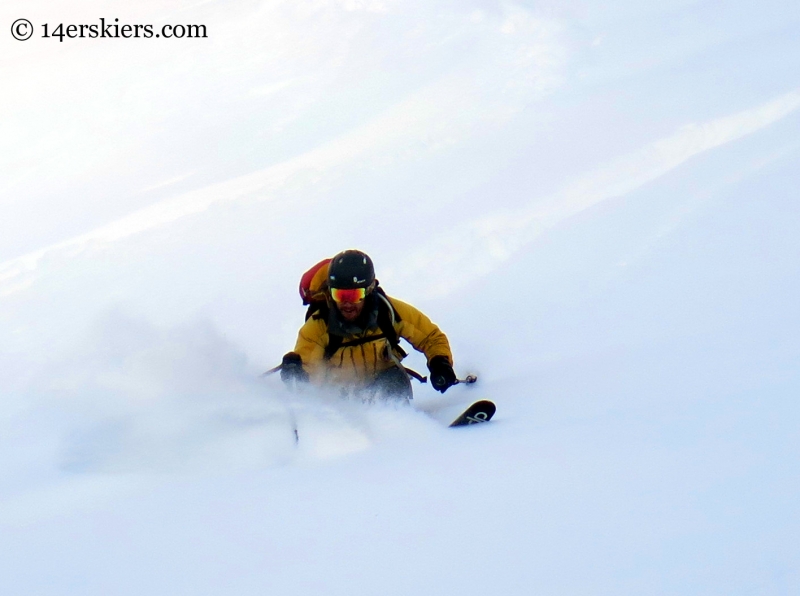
{"type": "Point", "coordinates": [292, 369]}
{"type": "Point", "coordinates": [442, 374]}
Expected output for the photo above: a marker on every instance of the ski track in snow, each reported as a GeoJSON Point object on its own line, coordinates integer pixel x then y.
{"type": "Point", "coordinates": [480, 244]}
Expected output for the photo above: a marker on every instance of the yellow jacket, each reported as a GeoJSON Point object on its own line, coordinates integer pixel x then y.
{"type": "Point", "coordinates": [358, 364]}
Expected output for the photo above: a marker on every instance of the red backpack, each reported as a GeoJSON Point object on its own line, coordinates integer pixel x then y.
{"type": "Point", "coordinates": [314, 282]}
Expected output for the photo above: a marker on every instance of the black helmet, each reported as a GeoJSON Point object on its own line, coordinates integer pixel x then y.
{"type": "Point", "coordinates": [351, 269]}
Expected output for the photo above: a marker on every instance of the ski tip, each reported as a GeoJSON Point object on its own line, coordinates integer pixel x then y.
{"type": "Point", "coordinates": [480, 411]}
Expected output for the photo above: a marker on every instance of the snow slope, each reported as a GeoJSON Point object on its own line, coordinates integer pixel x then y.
{"type": "Point", "coordinates": [597, 204]}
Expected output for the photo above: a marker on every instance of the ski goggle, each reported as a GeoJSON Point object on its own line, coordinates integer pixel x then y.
{"type": "Point", "coordinates": [348, 294]}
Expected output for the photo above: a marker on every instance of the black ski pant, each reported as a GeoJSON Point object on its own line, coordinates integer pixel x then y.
{"type": "Point", "coordinates": [392, 384]}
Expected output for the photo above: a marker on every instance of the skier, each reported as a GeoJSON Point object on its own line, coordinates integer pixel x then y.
{"type": "Point", "coordinates": [351, 339]}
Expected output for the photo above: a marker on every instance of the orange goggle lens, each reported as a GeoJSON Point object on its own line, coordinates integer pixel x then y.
{"type": "Point", "coordinates": [348, 295]}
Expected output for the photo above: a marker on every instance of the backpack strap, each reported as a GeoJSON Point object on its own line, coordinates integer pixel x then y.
{"type": "Point", "coordinates": [320, 310]}
{"type": "Point", "coordinates": [334, 343]}
{"type": "Point", "coordinates": [387, 317]}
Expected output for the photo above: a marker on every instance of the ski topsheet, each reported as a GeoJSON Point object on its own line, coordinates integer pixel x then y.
{"type": "Point", "coordinates": [480, 411]}
{"type": "Point", "coordinates": [458, 410]}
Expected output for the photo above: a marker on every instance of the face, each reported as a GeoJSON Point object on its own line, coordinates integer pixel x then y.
{"type": "Point", "coordinates": [350, 310]}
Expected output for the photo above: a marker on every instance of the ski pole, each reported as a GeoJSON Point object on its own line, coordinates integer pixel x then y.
{"type": "Point", "coordinates": [271, 371]}
{"type": "Point", "coordinates": [468, 380]}
{"type": "Point", "coordinates": [286, 402]}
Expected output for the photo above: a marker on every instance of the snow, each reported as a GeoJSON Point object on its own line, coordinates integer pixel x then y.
{"type": "Point", "coordinates": [597, 204]}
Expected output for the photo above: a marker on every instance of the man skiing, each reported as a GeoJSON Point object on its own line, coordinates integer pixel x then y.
{"type": "Point", "coordinates": [351, 338]}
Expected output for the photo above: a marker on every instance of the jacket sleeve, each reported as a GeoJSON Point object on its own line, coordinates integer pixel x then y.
{"type": "Point", "coordinates": [311, 342]}
{"type": "Point", "coordinates": [421, 332]}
